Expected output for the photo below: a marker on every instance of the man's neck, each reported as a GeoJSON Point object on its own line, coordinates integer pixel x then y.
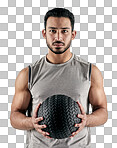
{"type": "Point", "coordinates": [58, 58]}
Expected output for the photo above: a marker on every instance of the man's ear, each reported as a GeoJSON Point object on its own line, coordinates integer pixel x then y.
{"type": "Point", "coordinates": [73, 34]}
{"type": "Point", "coordinates": [44, 33]}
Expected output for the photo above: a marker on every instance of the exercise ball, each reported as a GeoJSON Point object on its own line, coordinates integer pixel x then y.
{"type": "Point", "coordinates": [59, 114]}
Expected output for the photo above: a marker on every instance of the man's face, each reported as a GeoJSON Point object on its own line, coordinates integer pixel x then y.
{"type": "Point", "coordinates": [58, 34]}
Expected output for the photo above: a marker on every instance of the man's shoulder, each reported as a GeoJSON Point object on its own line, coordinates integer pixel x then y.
{"type": "Point", "coordinates": [96, 75]}
{"type": "Point", "coordinates": [22, 78]}
{"type": "Point", "coordinates": [37, 62]}
{"type": "Point", "coordinates": [81, 60]}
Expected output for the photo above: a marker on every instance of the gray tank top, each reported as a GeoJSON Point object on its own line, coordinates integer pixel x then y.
{"type": "Point", "coordinates": [71, 78]}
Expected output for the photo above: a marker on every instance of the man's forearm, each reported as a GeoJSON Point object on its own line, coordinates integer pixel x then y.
{"type": "Point", "coordinates": [97, 118]}
{"type": "Point", "coordinates": [20, 121]}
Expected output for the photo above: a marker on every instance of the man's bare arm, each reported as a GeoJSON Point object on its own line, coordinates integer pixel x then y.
{"type": "Point", "coordinates": [20, 103]}
{"type": "Point", "coordinates": [97, 99]}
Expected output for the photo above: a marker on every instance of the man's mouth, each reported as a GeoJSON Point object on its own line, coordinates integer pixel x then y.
{"type": "Point", "coordinates": [58, 44]}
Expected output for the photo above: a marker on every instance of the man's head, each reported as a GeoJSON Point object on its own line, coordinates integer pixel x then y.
{"type": "Point", "coordinates": [58, 32]}
{"type": "Point", "coordinates": [60, 12]}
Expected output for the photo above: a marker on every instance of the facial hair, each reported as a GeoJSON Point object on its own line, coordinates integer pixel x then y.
{"type": "Point", "coordinates": [58, 52]}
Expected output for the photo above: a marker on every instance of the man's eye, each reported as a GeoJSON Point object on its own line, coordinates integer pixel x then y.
{"type": "Point", "coordinates": [64, 31]}
{"type": "Point", "coordinates": [53, 31]}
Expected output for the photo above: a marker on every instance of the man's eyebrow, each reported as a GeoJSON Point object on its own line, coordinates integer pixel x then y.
{"type": "Point", "coordinates": [57, 28]}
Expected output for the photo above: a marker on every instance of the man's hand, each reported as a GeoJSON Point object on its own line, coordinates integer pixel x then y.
{"type": "Point", "coordinates": [83, 117]}
{"type": "Point", "coordinates": [35, 121]}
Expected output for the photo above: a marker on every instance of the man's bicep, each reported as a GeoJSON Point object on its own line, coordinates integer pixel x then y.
{"type": "Point", "coordinates": [22, 95]}
{"type": "Point", "coordinates": [21, 101]}
{"type": "Point", "coordinates": [97, 98]}
{"type": "Point", "coordinates": [97, 95]}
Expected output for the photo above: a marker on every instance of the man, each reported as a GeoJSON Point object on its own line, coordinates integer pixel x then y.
{"type": "Point", "coordinates": [60, 71]}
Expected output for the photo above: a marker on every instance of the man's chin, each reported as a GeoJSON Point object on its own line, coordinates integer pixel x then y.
{"type": "Point", "coordinates": [58, 48]}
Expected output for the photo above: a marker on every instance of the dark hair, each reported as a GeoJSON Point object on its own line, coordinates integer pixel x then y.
{"type": "Point", "coordinates": [60, 12]}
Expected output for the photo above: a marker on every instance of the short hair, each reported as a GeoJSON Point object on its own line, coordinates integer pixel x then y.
{"type": "Point", "coordinates": [60, 12]}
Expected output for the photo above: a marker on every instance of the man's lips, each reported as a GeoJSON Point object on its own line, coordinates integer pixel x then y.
{"type": "Point", "coordinates": [58, 44]}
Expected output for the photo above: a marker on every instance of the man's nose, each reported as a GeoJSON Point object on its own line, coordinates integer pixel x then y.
{"type": "Point", "coordinates": [58, 36]}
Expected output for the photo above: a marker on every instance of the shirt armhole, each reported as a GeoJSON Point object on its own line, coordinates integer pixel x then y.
{"type": "Point", "coordinates": [29, 76]}
{"type": "Point", "coordinates": [90, 72]}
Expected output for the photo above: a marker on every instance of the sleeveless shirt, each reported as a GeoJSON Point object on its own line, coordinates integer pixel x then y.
{"type": "Point", "coordinates": [71, 78]}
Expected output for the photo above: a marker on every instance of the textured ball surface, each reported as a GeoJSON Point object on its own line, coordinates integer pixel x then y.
{"type": "Point", "coordinates": [59, 113]}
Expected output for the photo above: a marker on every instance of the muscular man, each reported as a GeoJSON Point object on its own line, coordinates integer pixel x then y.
{"type": "Point", "coordinates": [59, 72]}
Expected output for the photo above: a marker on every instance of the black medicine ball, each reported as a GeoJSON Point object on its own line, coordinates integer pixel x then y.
{"type": "Point", "coordinates": [59, 114]}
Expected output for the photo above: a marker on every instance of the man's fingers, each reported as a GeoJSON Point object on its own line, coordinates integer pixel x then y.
{"type": "Point", "coordinates": [78, 130]}
{"type": "Point", "coordinates": [75, 133]}
{"type": "Point", "coordinates": [81, 116]}
{"type": "Point", "coordinates": [48, 137]}
{"type": "Point", "coordinates": [78, 125]}
{"type": "Point", "coordinates": [42, 126]}
{"type": "Point", "coordinates": [38, 119]}
{"type": "Point", "coordinates": [72, 135]}
{"type": "Point", "coordinates": [43, 133]}
{"type": "Point", "coordinates": [37, 126]}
